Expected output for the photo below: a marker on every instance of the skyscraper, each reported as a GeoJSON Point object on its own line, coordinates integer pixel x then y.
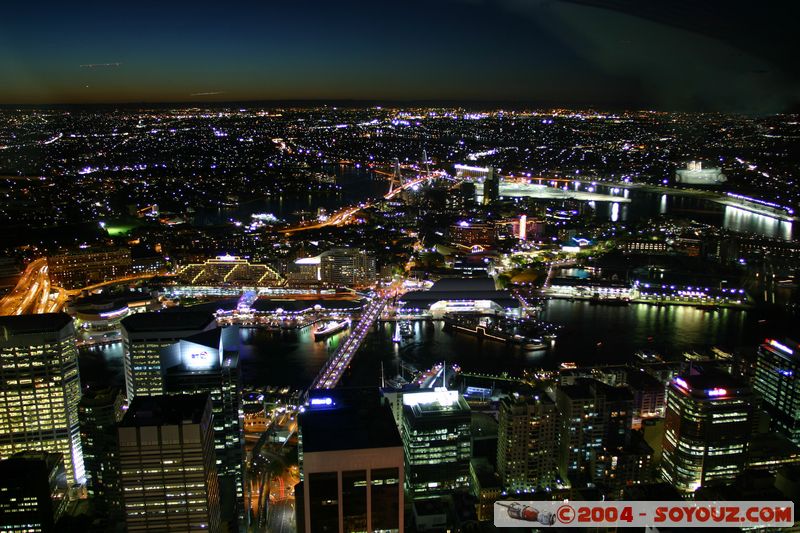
{"type": "Point", "coordinates": [708, 427]}
{"type": "Point", "coordinates": [437, 441]}
{"type": "Point", "coordinates": [144, 335]}
{"type": "Point", "coordinates": [168, 471]}
{"type": "Point", "coordinates": [491, 187]}
{"type": "Point", "coordinates": [99, 412]}
{"type": "Point", "coordinates": [40, 388]}
{"type": "Point", "coordinates": [351, 464]}
{"type": "Point", "coordinates": [527, 446]}
{"type": "Point", "coordinates": [347, 267]}
{"type": "Point", "coordinates": [582, 430]}
{"type": "Point", "coordinates": [33, 490]}
{"type": "Point", "coordinates": [208, 362]}
{"type": "Point", "coordinates": [776, 381]}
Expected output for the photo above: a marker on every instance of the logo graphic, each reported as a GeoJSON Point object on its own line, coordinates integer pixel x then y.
{"type": "Point", "coordinates": [527, 513]}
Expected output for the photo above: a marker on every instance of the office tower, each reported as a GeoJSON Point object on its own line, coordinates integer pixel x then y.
{"type": "Point", "coordinates": [40, 388]}
{"type": "Point", "coordinates": [347, 267]}
{"type": "Point", "coordinates": [707, 429]}
{"type": "Point", "coordinates": [33, 490]}
{"type": "Point", "coordinates": [145, 334]}
{"type": "Point", "coordinates": [527, 443]}
{"type": "Point", "coordinates": [351, 464]}
{"type": "Point", "coordinates": [208, 362]}
{"type": "Point", "coordinates": [437, 441]}
{"type": "Point", "coordinates": [776, 381]}
{"type": "Point", "coordinates": [80, 268]}
{"type": "Point", "coordinates": [168, 471]}
{"type": "Point", "coordinates": [491, 187]}
{"type": "Point", "coordinates": [99, 411]}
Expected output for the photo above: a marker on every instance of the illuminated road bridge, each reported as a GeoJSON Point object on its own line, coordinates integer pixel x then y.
{"type": "Point", "coordinates": [337, 363]}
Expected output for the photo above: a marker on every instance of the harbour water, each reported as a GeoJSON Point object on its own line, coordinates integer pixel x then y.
{"type": "Point", "coordinates": [590, 334]}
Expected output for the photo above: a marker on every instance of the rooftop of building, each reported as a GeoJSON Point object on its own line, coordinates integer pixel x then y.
{"type": "Point", "coordinates": [97, 396]}
{"type": "Point", "coordinates": [771, 447]}
{"type": "Point", "coordinates": [588, 388]}
{"type": "Point", "coordinates": [787, 348]}
{"type": "Point", "coordinates": [22, 463]}
{"type": "Point", "coordinates": [463, 289]}
{"type": "Point", "coordinates": [163, 321]}
{"type": "Point", "coordinates": [485, 473]}
{"type": "Point", "coordinates": [463, 284]}
{"type": "Point", "coordinates": [348, 419]}
{"type": "Point", "coordinates": [166, 410]}
{"type": "Point", "coordinates": [25, 324]}
{"type": "Point", "coordinates": [709, 382]}
{"type": "Point", "coordinates": [435, 402]}
{"type": "Point", "coordinates": [106, 301]}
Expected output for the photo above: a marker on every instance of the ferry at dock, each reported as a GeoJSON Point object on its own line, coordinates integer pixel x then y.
{"type": "Point", "coordinates": [329, 328]}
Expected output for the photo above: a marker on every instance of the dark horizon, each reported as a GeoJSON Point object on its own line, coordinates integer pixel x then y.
{"type": "Point", "coordinates": [471, 105]}
{"type": "Point", "coordinates": [719, 56]}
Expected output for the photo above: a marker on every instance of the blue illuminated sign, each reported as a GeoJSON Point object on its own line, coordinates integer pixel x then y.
{"type": "Point", "coordinates": [321, 402]}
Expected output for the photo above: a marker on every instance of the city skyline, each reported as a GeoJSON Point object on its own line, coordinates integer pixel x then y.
{"type": "Point", "coordinates": [414, 266]}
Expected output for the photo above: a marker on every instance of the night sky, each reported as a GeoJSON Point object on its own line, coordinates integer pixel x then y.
{"type": "Point", "coordinates": [674, 55]}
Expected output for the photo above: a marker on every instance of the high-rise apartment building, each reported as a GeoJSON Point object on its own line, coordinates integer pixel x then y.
{"type": "Point", "coordinates": [80, 268]}
{"type": "Point", "coordinates": [351, 464]}
{"type": "Point", "coordinates": [40, 388]}
{"type": "Point", "coordinates": [596, 421]}
{"type": "Point", "coordinates": [776, 381]}
{"type": "Point", "coordinates": [145, 335]}
{"type": "Point", "coordinates": [99, 412]}
{"type": "Point", "coordinates": [707, 429]}
{"type": "Point", "coordinates": [338, 267]}
{"type": "Point", "coordinates": [527, 443]}
{"type": "Point", "coordinates": [582, 430]}
{"type": "Point", "coordinates": [437, 441]}
{"type": "Point", "coordinates": [347, 267]}
{"type": "Point", "coordinates": [168, 471]}
{"type": "Point", "coordinates": [33, 492]}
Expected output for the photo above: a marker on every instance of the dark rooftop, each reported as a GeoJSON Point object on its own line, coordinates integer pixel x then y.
{"type": "Point", "coordinates": [463, 284]}
{"type": "Point", "coordinates": [160, 321]}
{"type": "Point", "coordinates": [165, 410]}
{"type": "Point", "coordinates": [461, 289]}
{"type": "Point", "coordinates": [356, 419]}
{"type": "Point", "coordinates": [701, 379]}
{"type": "Point", "coordinates": [22, 324]}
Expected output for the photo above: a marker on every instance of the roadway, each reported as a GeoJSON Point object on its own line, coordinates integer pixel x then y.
{"type": "Point", "coordinates": [343, 216]}
{"type": "Point", "coordinates": [334, 368]}
{"type": "Point", "coordinates": [31, 294]}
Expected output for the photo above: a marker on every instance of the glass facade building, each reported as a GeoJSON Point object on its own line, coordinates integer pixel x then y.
{"type": "Point", "coordinates": [40, 388]}
{"type": "Point", "coordinates": [437, 441]}
{"type": "Point", "coordinates": [145, 335]}
{"type": "Point", "coordinates": [707, 429]}
{"type": "Point", "coordinates": [99, 412]}
{"type": "Point", "coordinates": [777, 370]}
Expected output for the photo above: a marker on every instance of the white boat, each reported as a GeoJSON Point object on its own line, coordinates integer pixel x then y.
{"type": "Point", "coordinates": [396, 337]}
{"type": "Point", "coordinates": [329, 328]}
